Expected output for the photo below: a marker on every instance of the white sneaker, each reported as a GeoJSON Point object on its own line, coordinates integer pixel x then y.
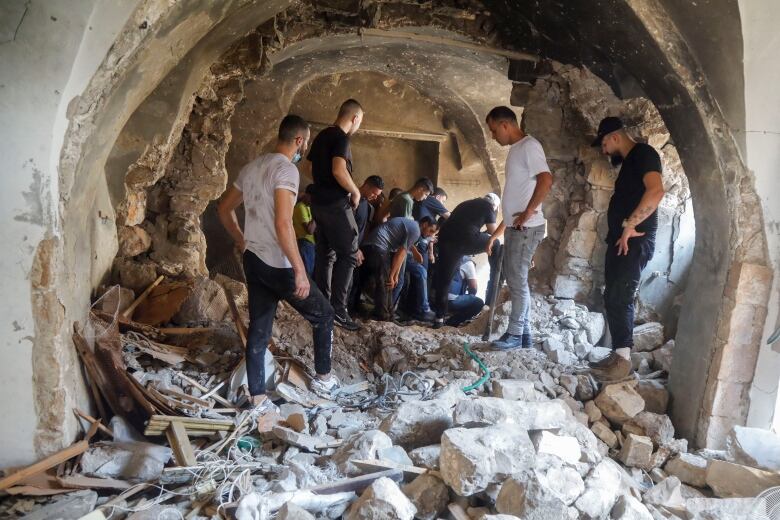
{"type": "Point", "coordinates": [267, 406]}
{"type": "Point", "coordinates": [325, 387]}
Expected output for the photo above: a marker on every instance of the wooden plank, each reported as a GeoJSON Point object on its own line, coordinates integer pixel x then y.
{"type": "Point", "coordinates": [184, 331]}
{"type": "Point", "coordinates": [127, 313]}
{"type": "Point", "coordinates": [170, 401]}
{"type": "Point", "coordinates": [49, 462]}
{"type": "Point", "coordinates": [186, 397]}
{"type": "Point", "coordinates": [190, 420]}
{"type": "Point", "coordinates": [209, 393]}
{"type": "Point", "coordinates": [92, 420]}
{"type": "Point", "coordinates": [373, 465]}
{"type": "Point", "coordinates": [356, 484]}
{"type": "Point", "coordinates": [84, 482]}
{"type": "Point", "coordinates": [395, 134]}
{"type": "Point", "coordinates": [190, 433]}
{"type": "Point", "coordinates": [180, 443]}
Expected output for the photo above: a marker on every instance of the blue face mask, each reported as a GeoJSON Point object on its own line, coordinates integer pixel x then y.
{"type": "Point", "coordinates": [296, 158]}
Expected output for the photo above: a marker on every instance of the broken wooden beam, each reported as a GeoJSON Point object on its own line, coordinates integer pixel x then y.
{"type": "Point", "coordinates": [127, 313]}
{"type": "Point", "coordinates": [374, 465]}
{"type": "Point", "coordinates": [356, 484]}
{"type": "Point", "coordinates": [180, 444]}
{"type": "Point", "coordinates": [49, 462]}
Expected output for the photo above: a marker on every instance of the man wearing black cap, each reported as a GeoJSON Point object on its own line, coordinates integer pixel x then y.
{"type": "Point", "coordinates": [632, 220]}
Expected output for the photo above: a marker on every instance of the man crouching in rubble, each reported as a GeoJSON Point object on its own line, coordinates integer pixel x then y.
{"type": "Point", "coordinates": [632, 220]}
{"type": "Point", "coordinates": [272, 263]}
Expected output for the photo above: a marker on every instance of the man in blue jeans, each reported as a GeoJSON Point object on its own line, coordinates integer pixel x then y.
{"type": "Point", "coordinates": [272, 263]}
{"type": "Point", "coordinates": [632, 220]}
{"type": "Point", "coordinates": [528, 180]}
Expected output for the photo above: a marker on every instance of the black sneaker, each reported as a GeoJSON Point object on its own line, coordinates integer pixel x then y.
{"type": "Point", "coordinates": [510, 343]}
{"type": "Point", "coordinates": [527, 341]}
{"type": "Point", "coordinates": [438, 323]}
{"type": "Point", "coordinates": [345, 322]}
{"type": "Point", "coordinates": [425, 316]}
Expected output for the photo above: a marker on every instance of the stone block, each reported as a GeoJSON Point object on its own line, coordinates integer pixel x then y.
{"type": "Point", "coordinates": [361, 445]}
{"type": "Point", "coordinates": [594, 414]}
{"type": "Point", "coordinates": [595, 326]}
{"type": "Point", "coordinates": [749, 284]}
{"type": "Point", "coordinates": [619, 402]}
{"type": "Point", "coordinates": [689, 468]}
{"type": "Point", "coordinates": [429, 495]}
{"type": "Point", "coordinates": [206, 303]}
{"type": "Point", "coordinates": [566, 286]}
{"type": "Point", "coordinates": [605, 434]}
{"type": "Point", "coordinates": [655, 395]}
{"type": "Point", "coordinates": [636, 451]}
{"type": "Point", "coordinates": [629, 508]}
{"type": "Point", "coordinates": [728, 399]}
{"type": "Point", "coordinates": [738, 362]}
{"type": "Point", "coordinates": [483, 411]}
{"type": "Point", "coordinates": [658, 427]}
{"type": "Point", "coordinates": [474, 458]}
{"type": "Point", "coordinates": [562, 446]}
{"type": "Point", "coordinates": [754, 447]}
{"type": "Point", "coordinates": [383, 499]}
{"type": "Point", "coordinates": [290, 511]}
{"type": "Point", "coordinates": [426, 457]}
{"type": "Point", "coordinates": [667, 493]}
{"type": "Point", "coordinates": [729, 480]}
{"type": "Point", "coordinates": [418, 423]}
{"type": "Point", "coordinates": [648, 337]}
{"type": "Point", "coordinates": [514, 389]}
{"type": "Point", "coordinates": [662, 357]}
{"type": "Point", "coordinates": [602, 488]}
{"type": "Point", "coordinates": [530, 500]}
{"type": "Point", "coordinates": [133, 241]}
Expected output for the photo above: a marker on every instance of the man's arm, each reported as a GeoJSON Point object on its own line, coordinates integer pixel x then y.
{"type": "Point", "coordinates": [544, 182]}
{"type": "Point", "coordinates": [395, 267]}
{"type": "Point", "coordinates": [342, 176]}
{"type": "Point", "coordinates": [231, 199]}
{"type": "Point", "coordinates": [471, 286]}
{"type": "Point", "coordinates": [654, 192]}
{"type": "Point", "coordinates": [284, 200]}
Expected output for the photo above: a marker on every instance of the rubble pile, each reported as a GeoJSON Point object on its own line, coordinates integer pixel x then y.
{"type": "Point", "coordinates": [537, 439]}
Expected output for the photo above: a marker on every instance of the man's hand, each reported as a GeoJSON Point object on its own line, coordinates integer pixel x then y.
{"type": "Point", "coordinates": [392, 281]}
{"type": "Point", "coordinates": [360, 257]}
{"type": "Point", "coordinates": [301, 285]}
{"type": "Point", "coordinates": [622, 244]}
{"type": "Point", "coordinates": [489, 246]}
{"type": "Point", "coordinates": [354, 199]}
{"type": "Point", "coordinates": [521, 218]}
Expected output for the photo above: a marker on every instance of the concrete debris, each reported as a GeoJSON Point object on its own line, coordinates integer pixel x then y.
{"type": "Point", "coordinates": [636, 451]}
{"type": "Point", "coordinates": [516, 390]}
{"type": "Point", "coordinates": [427, 456]}
{"type": "Point", "coordinates": [483, 411]}
{"type": "Point", "coordinates": [206, 303]}
{"type": "Point", "coordinates": [564, 447]}
{"type": "Point", "coordinates": [629, 508]}
{"type": "Point", "coordinates": [602, 487]}
{"type": "Point", "coordinates": [563, 481]}
{"type": "Point", "coordinates": [689, 468]}
{"type": "Point", "coordinates": [754, 447]}
{"type": "Point", "coordinates": [729, 480]}
{"type": "Point", "coordinates": [418, 423]}
{"type": "Point", "coordinates": [620, 402]}
{"type": "Point", "coordinates": [648, 337]}
{"type": "Point", "coordinates": [360, 446]}
{"type": "Point", "coordinates": [658, 427]}
{"type": "Point", "coordinates": [473, 459]}
{"type": "Point", "coordinates": [429, 495]}
{"type": "Point", "coordinates": [667, 494]}
{"type": "Point", "coordinates": [382, 500]}
{"type": "Point", "coordinates": [136, 461]}
{"type": "Point", "coordinates": [527, 498]}
{"type": "Point", "coordinates": [290, 511]}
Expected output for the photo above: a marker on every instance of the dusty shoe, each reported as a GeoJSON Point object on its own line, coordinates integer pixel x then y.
{"type": "Point", "coordinates": [611, 368]}
{"type": "Point", "coordinates": [345, 322]}
{"type": "Point", "coordinates": [507, 342]}
{"type": "Point", "coordinates": [325, 387]}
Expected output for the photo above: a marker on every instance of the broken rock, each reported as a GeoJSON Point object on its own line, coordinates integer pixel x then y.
{"type": "Point", "coordinates": [605, 434]}
{"type": "Point", "coordinates": [648, 337]}
{"type": "Point", "coordinates": [689, 468]}
{"type": "Point", "coordinates": [730, 480]}
{"type": "Point", "coordinates": [429, 495]}
{"type": "Point", "coordinates": [137, 461]}
{"type": "Point", "coordinates": [382, 500]}
{"type": "Point", "coordinates": [754, 447]}
{"type": "Point", "coordinates": [564, 447]}
{"type": "Point", "coordinates": [527, 415]}
{"type": "Point", "coordinates": [667, 493]}
{"type": "Point", "coordinates": [515, 390]}
{"type": "Point", "coordinates": [530, 500]}
{"type": "Point", "coordinates": [629, 508]}
{"type": "Point", "coordinates": [619, 402]}
{"type": "Point", "coordinates": [658, 427]}
{"type": "Point", "coordinates": [427, 456]}
{"type": "Point", "coordinates": [636, 451]}
{"type": "Point", "coordinates": [602, 488]}
{"type": "Point", "coordinates": [206, 303]}
{"type": "Point", "coordinates": [472, 459]}
{"type": "Point", "coordinates": [418, 423]}
{"type": "Point", "coordinates": [290, 511]}
{"type": "Point", "coordinates": [656, 396]}
{"type": "Point", "coordinates": [360, 446]}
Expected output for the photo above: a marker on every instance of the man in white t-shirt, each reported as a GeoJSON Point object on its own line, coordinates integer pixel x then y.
{"type": "Point", "coordinates": [528, 180]}
{"type": "Point", "coordinates": [274, 270]}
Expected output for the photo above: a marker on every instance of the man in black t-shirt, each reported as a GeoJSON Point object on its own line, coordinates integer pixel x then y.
{"type": "Point", "coordinates": [432, 206]}
{"type": "Point", "coordinates": [462, 235]}
{"type": "Point", "coordinates": [632, 219]}
{"type": "Point", "coordinates": [333, 202]}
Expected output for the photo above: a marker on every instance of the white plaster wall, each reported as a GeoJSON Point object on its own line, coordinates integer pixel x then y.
{"type": "Point", "coordinates": [762, 75]}
{"type": "Point", "coordinates": [49, 50]}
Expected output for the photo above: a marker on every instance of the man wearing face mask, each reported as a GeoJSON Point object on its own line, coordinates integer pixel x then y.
{"type": "Point", "coordinates": [272, 263]}
{"type": "Point", "coordinates": [334, 199]}
{"type": "Point", "coordinates": [632, 221]}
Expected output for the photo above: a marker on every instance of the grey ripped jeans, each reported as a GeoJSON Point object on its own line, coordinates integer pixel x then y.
{"type": "Point", "coordinates": [518, 253]}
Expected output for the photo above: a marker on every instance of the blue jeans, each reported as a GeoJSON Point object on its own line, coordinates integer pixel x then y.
{"type": "Point", "coordinates": [519, 251]}
{"type": "Point", "coordinates": [267, 285]}
{"type": "Point", "coordinates": [418, 288]}
{"type": "Point", "coordinates": [307, 255]}
{"type": "Point", "coordinates": [464, 308]}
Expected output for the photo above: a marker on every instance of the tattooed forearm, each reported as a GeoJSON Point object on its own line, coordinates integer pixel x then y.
{"type": "Point", "coordinates": [639, 215]}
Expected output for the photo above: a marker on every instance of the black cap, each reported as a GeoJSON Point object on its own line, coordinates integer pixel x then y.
{"type": "Point", "coordinates": [607, 126]}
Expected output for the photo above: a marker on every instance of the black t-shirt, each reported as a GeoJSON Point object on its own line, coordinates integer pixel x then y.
{"type": "Point", "coordinates": [629, 188]}
{"type": "Point", "coordinates": [429, 207]}
{"type": "Point", "coordinates": [468, 218]}
{"type": "Point", "coordinates": [331, 142]}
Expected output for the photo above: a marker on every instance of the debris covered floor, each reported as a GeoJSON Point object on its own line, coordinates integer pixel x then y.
{"type": "Point", "coordinates": [427, 425]}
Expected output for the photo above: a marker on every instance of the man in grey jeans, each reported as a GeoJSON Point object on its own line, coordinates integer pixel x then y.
{"type": "Point", "coordinates": [528, 180]}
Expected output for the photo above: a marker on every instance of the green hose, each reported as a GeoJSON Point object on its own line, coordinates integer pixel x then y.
{"type": "Point", "coordinates": [485, 369]}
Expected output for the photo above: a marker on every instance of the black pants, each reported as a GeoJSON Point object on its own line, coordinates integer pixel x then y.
{"type": "Point", "coordinates": [377, 267]}
{"type": "Point", "coordinates": [621, 279]}
{"type": "Point", "coordinates": [451, 251]}
{"type": "Point", "coordinates": [336, 240]}
{"type": "Point", "coordinates": [267, 285]}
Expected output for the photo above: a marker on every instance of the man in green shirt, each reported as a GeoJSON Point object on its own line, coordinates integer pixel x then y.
{"type": "Point", "coordinates": [304, 227]}
{"type": "Point", "coordinates": [403, 204]}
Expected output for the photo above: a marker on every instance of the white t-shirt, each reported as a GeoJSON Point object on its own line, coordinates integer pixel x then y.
{"type": "Point", "coordinates": [524, 162]}
{"type": "Point", "coordinates": [468, 271]}
{"type": "Point", "coordinates": [257, 181]}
